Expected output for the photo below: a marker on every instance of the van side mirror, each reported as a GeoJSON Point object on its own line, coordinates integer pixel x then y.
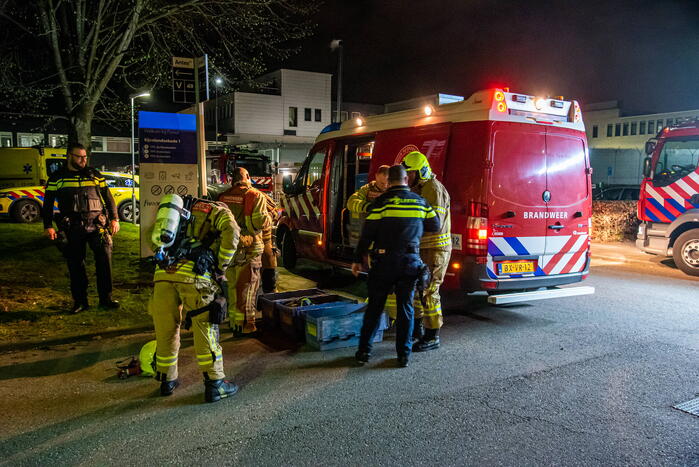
{"type": "Point", "coordinates": [650, 147]}
{"type": "Point", "coordinates": [286, 184]}
{"type": "Point", "coordinates": [646, 166]}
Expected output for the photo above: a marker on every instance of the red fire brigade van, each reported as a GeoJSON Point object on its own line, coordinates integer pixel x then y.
{"type": "Point", "coordinates": [669, 201]}
{"type": "Point", "coordinates": [516, 168]}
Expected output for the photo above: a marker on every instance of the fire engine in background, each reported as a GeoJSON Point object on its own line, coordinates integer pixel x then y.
{"type": "Point", "coordinates": [669, 203]}
{"type": "Point", "coordinates": [258, 165]}
{"type": "Point", "coordinates": [516, 168]}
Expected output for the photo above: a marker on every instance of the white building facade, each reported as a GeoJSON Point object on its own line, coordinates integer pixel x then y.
{"type": "Point", "coordinates": [617, 143]}
{"type": "Point", "coordinates": [281, 120]}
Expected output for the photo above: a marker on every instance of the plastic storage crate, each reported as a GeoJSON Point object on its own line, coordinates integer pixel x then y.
{"type": "Point", "coordinates": [336, 327]}
{"type": "Point", "coordinates": [292, 319]}
{"type": "Point", "coordinates": [267, 303]}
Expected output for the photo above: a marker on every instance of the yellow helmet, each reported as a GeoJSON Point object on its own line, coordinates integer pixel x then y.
{"type": "Point", "coordinates": [147, 358]}
{"type": "Point", "coordinates": [418, 162]}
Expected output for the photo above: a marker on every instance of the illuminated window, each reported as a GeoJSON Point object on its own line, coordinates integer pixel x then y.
{"type": "Point", "coordinates": [293, 116]}
{"type": "Point", "coordinates": [27, 140]}
{"type": "Point", "coordinates": [5, 139]}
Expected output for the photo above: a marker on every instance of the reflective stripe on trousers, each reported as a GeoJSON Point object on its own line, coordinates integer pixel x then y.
{"type": "Point", "coordinates": [168, 306]}
{"type": "Point", "coordinates": [437, 259]}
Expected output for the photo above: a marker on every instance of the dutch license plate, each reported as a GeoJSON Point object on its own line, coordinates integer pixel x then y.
{"type": "Point", "coordinates": [518, 267]}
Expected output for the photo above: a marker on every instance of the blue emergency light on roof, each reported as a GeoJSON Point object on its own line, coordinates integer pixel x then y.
{"type": "Point", "coordinates": [332, 127]}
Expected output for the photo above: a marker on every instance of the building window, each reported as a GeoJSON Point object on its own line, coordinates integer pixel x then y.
{"type": "Point", "coordinates": [117, 144]}
{"type": "Point", "coordinates": [5, 140]}
{"type": "Point", "coordinates": [633, 128]}
{"type": "Point", "coordinates": [356, 115]}
{"type": "Point", "coordinates": [27, 140]}
{"type": "Point", "coordinates": [617, 129]}
{"type": "Point", "coordinates": [97, 144]}
{"type": "Point", "coordinates": [610, 130]}
{"type": "Point", "coordinates": [659, 126]}
{"type": "Point", "coordinates": [626, 129]}
{"type": "Point", "coordinates": [293, 116]}
{"type": "Point", "coordinates": [642, 128]}
{"type": "Point", "coordinates": [594, 131]}
{"type": "Point", "coordinates": [58, 141]}
{"type": "Point", "coordinates": [343, 116]}
{"type": "Point", "coordinates": [651, 127]}
{"type": "Point", "coordinates": [318, 116]}
{"type": "Point", "coordinates": [307, 114]}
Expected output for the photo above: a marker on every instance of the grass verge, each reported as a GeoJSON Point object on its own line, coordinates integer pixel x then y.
{"type": "Point", "coordinates": [35, 295]}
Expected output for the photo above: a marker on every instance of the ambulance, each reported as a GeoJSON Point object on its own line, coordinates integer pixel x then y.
{"type": "Point", "coordinates": [518, 173]}
{"type": "Point", "coordinates": [669, 203]}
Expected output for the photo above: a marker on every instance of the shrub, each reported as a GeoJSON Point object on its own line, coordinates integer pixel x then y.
{"type": "Point", "coordinates": [614, 220]}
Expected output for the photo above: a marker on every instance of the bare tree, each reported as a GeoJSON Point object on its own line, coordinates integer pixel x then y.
{"type": "Point", "coordinates": [89, 54]}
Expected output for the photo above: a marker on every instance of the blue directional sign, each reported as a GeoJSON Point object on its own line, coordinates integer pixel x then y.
{"type": "Point", "coordinates": [167, 138]}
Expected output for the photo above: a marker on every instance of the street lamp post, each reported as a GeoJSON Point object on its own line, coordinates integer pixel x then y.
{"type": "Point", "coordinates": [337, 45]}
{"type": "Point", "coordinates": [133, 156]}
{"type": "Point", "coordinates": [218, 82]}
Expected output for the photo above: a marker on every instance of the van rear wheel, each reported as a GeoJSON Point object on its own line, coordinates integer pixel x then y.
{"type": "Point", "coordinates": [25, 211]}
{"type": "Point", "coordinates": [685, 252]}
{"type": "Point", "coordinates": [288, 250]}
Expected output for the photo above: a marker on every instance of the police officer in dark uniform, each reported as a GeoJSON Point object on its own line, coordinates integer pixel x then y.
{"type": "Point", "coordinates": [87, 215]}
{"type": "Point", "coordinates": [394, 223]}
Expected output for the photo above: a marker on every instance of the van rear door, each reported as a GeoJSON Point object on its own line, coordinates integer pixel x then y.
{"type": "Point", "coordinates": [516, 209]}
{"type": "Point", "coordinates": [568, 185]}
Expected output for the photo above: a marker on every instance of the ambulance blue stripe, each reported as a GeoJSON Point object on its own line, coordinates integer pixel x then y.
{"type": "Point", "coordinates": [676, 205]}
{"type": "Point", "coordinates": [662, 209]}
{"type": "Point", "coordinates": [493, 250]}
{"type": "Point", "coordinates": [652, 216]}
{"type": "Point", "coordinates": [516, 245]}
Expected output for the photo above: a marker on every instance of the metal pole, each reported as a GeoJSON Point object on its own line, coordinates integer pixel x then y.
{"type": "Point", "coordinates": [339, 84]}
{"type": "Point", "coordinates": [216, 110]}
{"type": "Point", "coordinates": [133, 167]}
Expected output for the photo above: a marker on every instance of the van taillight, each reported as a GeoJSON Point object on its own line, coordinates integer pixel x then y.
{"type": "Point", "coordinates": [476, 236]}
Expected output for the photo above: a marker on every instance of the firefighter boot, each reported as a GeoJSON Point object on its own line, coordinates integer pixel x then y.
{"type": "Point", "coordinates": [418, 330]}
{"type": "Point", "coordinates": [217, 389]}
{"type": "Point", "coordinates": [269, 280]}
{"type": "Point", "coordinates": [429, 341]}
{"type": "Point", "coordinates": [403, 361]}
{"type": "Point", "coordinates": [168, 387]}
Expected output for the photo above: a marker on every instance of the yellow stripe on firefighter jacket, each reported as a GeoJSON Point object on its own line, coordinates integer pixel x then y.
{"type": "Point", "coordinates": [360, 200]}
{"type": "Point", "coordinates": [437, 196]}
{"type": "Point", "coordinates": [209, 220]}
{"type": "Point", "coordinates": [249, 208]}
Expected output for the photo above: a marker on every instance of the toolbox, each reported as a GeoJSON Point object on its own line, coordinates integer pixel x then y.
{"type": "Point", "coordinates": [334, 327]}
{"type": "Point", "coordinates": [292, 317]}
{"type": "Point", "coordinates": [267, 303]}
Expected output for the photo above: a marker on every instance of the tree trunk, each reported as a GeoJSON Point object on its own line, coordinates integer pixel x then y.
{"type": "Point", "coordinates": [80, 130]}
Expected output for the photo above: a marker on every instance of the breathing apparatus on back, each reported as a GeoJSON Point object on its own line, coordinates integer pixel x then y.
{"type": "Point", "coordinates": [170, 228]}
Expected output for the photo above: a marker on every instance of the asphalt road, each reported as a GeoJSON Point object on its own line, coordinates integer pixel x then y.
{"type": "Point", "coordinates": [576, 381]}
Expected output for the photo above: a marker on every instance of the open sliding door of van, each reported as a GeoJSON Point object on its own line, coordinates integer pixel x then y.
{"type": "Point", "coordinates": [568, 206]}
{"type": "Point", "coordinates": [516, 210]}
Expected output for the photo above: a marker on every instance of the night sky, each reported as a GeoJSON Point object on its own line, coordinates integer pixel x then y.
{"type": "Point", "coordinates": [645, 53]}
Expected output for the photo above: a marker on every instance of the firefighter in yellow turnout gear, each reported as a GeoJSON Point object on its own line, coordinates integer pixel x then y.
{"type": "Point", "coordinates": [248, 205]}
{"type": "Point", "coordinates": [269, 254]}
{"type": "Point", "coordinates": [184, 283]}
{"type": "Point", "coordinates": [358, 205]}
{"type": "Point", "coordinates": [435, 249]}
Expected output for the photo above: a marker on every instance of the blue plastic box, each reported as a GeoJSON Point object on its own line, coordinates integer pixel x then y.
{"type": "Point", "coordinates": [267, 303]}
{"type": "Point", "coordinates": [292, 319]}
{"type": "Point", "coordinates": [337, 327]}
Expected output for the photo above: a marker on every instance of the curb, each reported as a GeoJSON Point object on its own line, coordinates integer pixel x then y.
{"type": "Point", "coordinates": [22, 346]}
